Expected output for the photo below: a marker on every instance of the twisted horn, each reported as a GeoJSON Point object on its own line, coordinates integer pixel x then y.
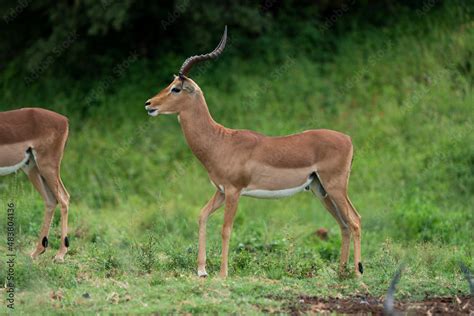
{"type": "Point", "coordinates": [189, 62]}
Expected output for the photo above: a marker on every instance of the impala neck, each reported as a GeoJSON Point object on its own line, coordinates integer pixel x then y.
{"type": "Point", "coordinates": [200, 130]}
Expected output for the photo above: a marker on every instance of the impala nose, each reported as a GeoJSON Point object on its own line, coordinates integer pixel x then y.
{"type": "Point", "coordinates": [148, 102]}
{"type": "Point", "coordinates": [151, 112]}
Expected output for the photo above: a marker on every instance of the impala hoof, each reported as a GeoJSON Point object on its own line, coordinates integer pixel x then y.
{"type": "Point", "coordinates": [360, 268]}
{"type": "Point", "coordinates": [59, 258]}
{"type": "Point", "coordinates": [35, 254]}
{"type": "Point", "coordinates": [202, 273]}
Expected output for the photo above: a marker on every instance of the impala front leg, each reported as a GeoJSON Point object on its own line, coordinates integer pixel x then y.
{"type": "Point", "coordinates": [231, 202]}
{"type": "Point", "coordinates": [214, 203]}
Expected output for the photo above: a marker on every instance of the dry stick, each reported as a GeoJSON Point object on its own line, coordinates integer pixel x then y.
{"type": "Point", "coordinates": [388, 305]}
{"type": "Point", "coordinates": [468, 276]}
{"type": "Point", "coordinates": [390, 297]}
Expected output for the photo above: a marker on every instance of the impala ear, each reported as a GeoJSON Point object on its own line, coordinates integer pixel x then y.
{"type": "Point", "coordinates": [188, 86]}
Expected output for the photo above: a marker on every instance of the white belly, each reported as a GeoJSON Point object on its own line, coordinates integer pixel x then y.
{"type": "Point", "coordinates": [10, 169]}
{"type": "Point", "coordinates": [276, 194]}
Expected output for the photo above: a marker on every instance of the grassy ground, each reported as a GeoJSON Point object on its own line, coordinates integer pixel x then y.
{"type": "Point", "coordinates": [404, 94]}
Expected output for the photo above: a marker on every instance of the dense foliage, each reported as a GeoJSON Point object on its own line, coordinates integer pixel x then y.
{"type": "Point", "coordinates": [86, 35]}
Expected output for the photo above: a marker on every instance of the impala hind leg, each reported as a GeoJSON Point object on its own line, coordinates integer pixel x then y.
{"type": "Point", "coordinates": [344, 206]}
{"type": "Point", "coordinates": [212, 205]}
{"type": "Point", "coordinates": [345, 231]}
{"type": "Point", "coordinates": [50, 203]}
{"type": "Point", "coordinates": [357, 231]}
{"type": "Point", "coordinates": [320, 192]}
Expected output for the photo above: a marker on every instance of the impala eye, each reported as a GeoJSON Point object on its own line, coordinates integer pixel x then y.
{"type": "Point", "coordinates": [176, 90]}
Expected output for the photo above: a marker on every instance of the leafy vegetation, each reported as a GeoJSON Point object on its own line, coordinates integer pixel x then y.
{"type": "Point", "coordinates": [401, 88]}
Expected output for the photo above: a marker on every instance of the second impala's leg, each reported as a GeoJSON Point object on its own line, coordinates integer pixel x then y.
{"type": "Point", "coordinates": [231, 202]}
{"type": "Point", "coordinates": [64, 204]}
{"type": "Point", "coordinates": [53, 180]}
{"type": "Point", "coordinates": [212, 205]}
{"type": "Point", "coordinates": [50, 204]}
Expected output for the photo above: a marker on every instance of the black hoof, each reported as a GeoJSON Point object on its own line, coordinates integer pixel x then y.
{"type": "Point", "coordinates": [44, 242]}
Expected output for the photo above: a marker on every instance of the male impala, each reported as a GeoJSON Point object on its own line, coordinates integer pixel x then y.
{"type": "Point", "coordinates": [33, 140]}
{"type": "Point", "coordinates": [246, 163]}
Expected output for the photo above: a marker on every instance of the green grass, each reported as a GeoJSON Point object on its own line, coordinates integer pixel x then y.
{"type": "Point", "coordinates": [404, 94]}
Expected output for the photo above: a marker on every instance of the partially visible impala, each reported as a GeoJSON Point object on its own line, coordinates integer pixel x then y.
{"type": "Point", "coordinates": [33, 140]}
{"type": "Point", "coordinates": [246, 163]}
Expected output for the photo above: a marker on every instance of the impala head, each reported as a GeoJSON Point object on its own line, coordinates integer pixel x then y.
{"type": "Point", "coordinates": [174, 98]}
{"type": "Point", "coordinates": [177, 95]}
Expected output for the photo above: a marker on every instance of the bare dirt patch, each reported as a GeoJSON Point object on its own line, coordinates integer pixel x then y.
{"type": "Point", "coordinates": [458, 305]}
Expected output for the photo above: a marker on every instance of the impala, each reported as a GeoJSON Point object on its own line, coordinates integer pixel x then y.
{"type": "Point", "coordinates": [33, 140]}
{"type": "Point", "coordinates": [246, 163]}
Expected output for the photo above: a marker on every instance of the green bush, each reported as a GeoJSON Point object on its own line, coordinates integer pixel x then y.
{"type": "Point", "coordinates": [421, 220]}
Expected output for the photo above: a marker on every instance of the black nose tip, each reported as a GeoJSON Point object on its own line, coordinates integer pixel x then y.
{"type": "Point", "coordinates": [147, 103]}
